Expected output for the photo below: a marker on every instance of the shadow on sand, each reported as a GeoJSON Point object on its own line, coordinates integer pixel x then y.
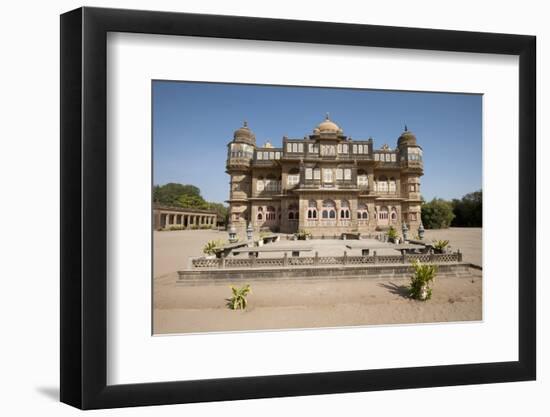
{"type": "Point", "coordinates": [401, 290]}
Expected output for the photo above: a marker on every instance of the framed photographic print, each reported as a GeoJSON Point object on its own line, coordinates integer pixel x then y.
{"type": "Point", "coordinates": [257, 208]}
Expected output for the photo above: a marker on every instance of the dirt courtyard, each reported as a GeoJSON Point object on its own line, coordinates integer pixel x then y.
{"type": "Point", "coordinates": [306, 304]}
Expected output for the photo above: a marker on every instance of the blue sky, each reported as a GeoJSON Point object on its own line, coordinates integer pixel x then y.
{"type": "Point", "coordinates": [193, 122]}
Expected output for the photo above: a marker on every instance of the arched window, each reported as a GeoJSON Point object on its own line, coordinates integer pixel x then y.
{"type": "Point", "coordinates": [293, 176]}
{"type": "Point", "coordinates": [260, 184]}
{"type": "Point", "coordinates": [329, 209]}
{"type": "Point", "coordinates": [312, 209]}
{"type": "Point", "coordinates": [362, 212]}
{"type": "Point", "coordinates": [293, 212]}
{"type": "Point", "coordinates": [392, 185]}
{"type": "Point", "coordinates": [393, 215]}
{"type": "Point", "coordinates": [383, 184]}
{"type": "Point", "coordinates": [362, 178]}
{"type": "Point", "coordinates": [269, 182]}
{"type": "Point", "coordinates": [260, 216]}
{"type": "Point", "coordinates": [383, 215]}
{"type": "Point", "coordinates": [270, 213]}
{"type": "Point", "coordinates": [344, 210]}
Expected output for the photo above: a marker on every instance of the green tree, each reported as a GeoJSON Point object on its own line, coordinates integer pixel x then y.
{"type": "Point", "coordinates": [186, 196]}
{"type": "Point", "coordinates": [437, 214]}
{"type": "Point", "coordinates": [468, 211]}
{"type": "Point", "coordinates": [192, 201]}
{"type": "Point", "coordinates": [169, 194]}
{"type": "Point", "coordinates": [219, 208]}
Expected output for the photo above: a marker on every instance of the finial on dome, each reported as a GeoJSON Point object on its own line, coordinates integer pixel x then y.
{"type": "Point", "coordinates": [406, 127]}
{"type": "Point", "coordinates": [245, 124]}
{"type": "Point", "coordinates": [327, 116]}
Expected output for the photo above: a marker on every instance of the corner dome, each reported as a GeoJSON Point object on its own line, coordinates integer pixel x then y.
{"type": "Point", "coordinates": [244, 135]}
{"type": "Point", "coordinates": [406, 138]}
{"type": "Point", "coordinates": [328, 126]}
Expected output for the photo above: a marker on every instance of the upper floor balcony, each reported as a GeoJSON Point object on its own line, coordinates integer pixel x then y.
{"type": "Point", "coordinates": [240, 162]}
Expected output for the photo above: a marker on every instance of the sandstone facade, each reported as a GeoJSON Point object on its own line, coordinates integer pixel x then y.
{"type": "Point", "coordinates": [325, 183]}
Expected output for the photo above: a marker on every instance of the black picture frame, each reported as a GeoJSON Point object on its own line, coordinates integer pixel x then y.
{"type": "Point", "coordinates": [84, 207]}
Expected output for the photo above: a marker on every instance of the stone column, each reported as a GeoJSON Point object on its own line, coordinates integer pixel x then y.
{"type": "Point", "coordinates": [398, 185]}
{"type": "Point", "coordinates": [302, 213]}
{"type": "Point", "coordinates": [370, 175]}
{"type": "Point", "coordinates": [354, 224]}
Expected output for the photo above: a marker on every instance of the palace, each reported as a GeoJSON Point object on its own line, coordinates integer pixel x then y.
{"type": "Point", "coordinates": [326, 183]}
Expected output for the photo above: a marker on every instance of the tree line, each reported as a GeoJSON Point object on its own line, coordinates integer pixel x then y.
{"type": "Point", "coordinates": [185, 196]}
{"type": "Point", "coordinates": [464, 212]}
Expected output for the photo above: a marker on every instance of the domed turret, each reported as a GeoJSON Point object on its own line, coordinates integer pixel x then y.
{"type": "Point", "coordinates": [244, 135]}
{"type": "Point", "coordinates": [406, 138]}
{"type": "Point", "coordinates": [328, 126]}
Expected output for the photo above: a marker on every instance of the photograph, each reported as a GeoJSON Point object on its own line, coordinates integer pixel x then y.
{"type": "Point", "coordinates": [287, 207]}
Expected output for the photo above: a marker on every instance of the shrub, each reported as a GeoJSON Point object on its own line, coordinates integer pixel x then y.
{"type": "Point", "coordinates": [211, 246]}
{"type": "Point", "coordinates": [238, 300]}
{"type": "Point", "coordinates": [175, 227]}
{"type": "Point", "coordinates": [440, 245]}
{"type": "Point", "coordinates": [424, 274]}
{"type": "Point", "coordinates": [303, 235]}
{"type": "Point", "coordinates": [392, 234]}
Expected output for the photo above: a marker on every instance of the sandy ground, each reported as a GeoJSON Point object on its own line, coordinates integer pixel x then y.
{"type": "Point", "coordinates": [468, 240]}
{"type": "Point", "coordinates": [300, 304]}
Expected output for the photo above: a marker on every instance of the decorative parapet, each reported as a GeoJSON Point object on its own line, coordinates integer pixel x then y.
{"type": "Point", "coordinates": [253, 262]}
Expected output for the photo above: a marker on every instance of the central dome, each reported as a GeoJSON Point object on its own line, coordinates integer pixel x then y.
{"type": "Point", "coordinates": [328, 126]}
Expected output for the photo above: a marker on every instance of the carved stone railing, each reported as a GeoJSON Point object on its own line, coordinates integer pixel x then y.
{"type": "Point", "coordinates": [253, 262]}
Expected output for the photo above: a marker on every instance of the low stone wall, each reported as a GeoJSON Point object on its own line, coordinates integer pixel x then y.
{"type": "Point", "coordinates": [213, 276]}
{"type": "Point", "coordinates": [285, 261]}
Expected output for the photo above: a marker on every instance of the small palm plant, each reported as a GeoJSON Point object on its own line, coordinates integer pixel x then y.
{"type": "Point", "coordinates": [238, 300]}
{"type": "Point", "coordinates": [440, 245]}
{"type": "Point", "coordinates": [392, 234]}
{"type": "Point", "coordinates": [424, 275]}
{"type": "Point", "coordinates": [211, 247]}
